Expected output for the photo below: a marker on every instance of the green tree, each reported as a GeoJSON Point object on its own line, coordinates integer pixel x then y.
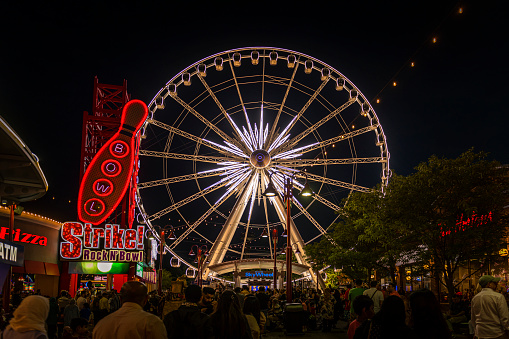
{"type": "Point", "coordinates": [166, 280]}
{"type": "Point", "coordinates": [368, 237]}
{"type": "Point", "coordinates": [455, 209]}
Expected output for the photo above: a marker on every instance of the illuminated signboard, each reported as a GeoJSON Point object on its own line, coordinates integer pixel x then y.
{"type": "Point", "coordinates": [98, 268]}
{"type": "Point", "coordinates": [139, 270]}
{"type": "Point", "coordinates": [27, 238]}
{"type": "Point", "coordinates": [110, 243]}
{"type": "Point", "coordinates": [11, 254]}
{"type": "Point", "coordinates": [110, 173]}
{"type": "Point", "coordinates": [463, 224]}
{"type": "Point", "coordinates": [257, 274]}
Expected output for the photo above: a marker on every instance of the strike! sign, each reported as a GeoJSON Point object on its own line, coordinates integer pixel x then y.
{"type": "Point", "coordinates": [110, 243]}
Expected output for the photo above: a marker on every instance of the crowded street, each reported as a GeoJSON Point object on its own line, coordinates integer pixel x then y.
{"type": "Point", "coordinates": [251, 170]}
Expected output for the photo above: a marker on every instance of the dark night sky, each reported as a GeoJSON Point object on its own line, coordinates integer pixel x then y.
{"type": "Point", "coordinates": [453, 99]}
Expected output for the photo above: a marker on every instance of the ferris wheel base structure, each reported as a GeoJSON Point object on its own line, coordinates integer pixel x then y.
{"type": "Point", "coordinates": [236, 266]}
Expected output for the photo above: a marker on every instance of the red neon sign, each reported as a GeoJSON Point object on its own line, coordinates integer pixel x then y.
{"type": "Point", "coordinates": [110, 172]}
{"type": "Point", "coordinates": [76, 237]}
{"type": "Point", "coordinates": [26, 238]}
{"type": "Point", "coordinates": [462, 224]}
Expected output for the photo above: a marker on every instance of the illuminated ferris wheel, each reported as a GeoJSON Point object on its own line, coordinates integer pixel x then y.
{"type": "Point", "coordinates": [224, 127]}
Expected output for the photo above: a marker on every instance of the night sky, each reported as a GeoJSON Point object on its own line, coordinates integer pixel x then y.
{"type": "Point", "coordinates": [453, 99]}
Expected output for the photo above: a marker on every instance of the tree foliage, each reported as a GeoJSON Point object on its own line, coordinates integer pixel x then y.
{"type": "Point", "coordinates": [448, 211]}
{"type": "Point", "coordinates": [455, 208]}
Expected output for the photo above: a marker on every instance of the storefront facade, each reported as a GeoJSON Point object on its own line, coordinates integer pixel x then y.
{"type": "Point", "coordinates": [40, 237]}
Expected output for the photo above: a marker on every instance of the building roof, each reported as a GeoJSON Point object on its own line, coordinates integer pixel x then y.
{"type": "Point", "coordinates": [21, 177]}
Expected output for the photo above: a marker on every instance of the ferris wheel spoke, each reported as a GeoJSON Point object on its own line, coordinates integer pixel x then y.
{"type": "Point", "coordinates": [203, 119]}
{"type": "Point", "coordinates": [221, 149]}
{"type": "Point", "coordinates": [318, 197]}
{"type": "Point", "coordinates": [327, 203]}
{"type": "Point", "coordinates": [251, 133]}
{"type": "Point", "coordinates": [253, 192]}
{"type": "Point", "coordinates": [334, 182]}
{"type": "Point", "coordinates": [313, 221]}
{"type": "Point", "coordinates": [339, 138]}
{"type": "Point", "coordinates": [187, 200]}
{"type": "Point", "coordinates": [273, 129]}
{"type": "Point", "coordinates": [288, 128]}
{"type": "Point", "coordinates": [319, 235]}
{"type": "Point", "coordinates": [318, 162]}
{"type": "Point", "coordinates": [313, 128]}
{"type": "Point", "coordinates": [201, 219]}
{"type": "Point", "coordinates": [222, 244]}
{"type": "Point", "coordinates": [201, 158]}
{"type": "Point", "coordinates": [223, 111]}
{"type": "Point", "coordinates": [204, 174]}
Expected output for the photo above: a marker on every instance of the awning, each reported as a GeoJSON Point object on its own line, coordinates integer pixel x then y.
{"type": "Point", "coordinates": [37, 267]}
{"type": "Point", "coordinates": [34, 267]}
{"type": "Point", "coordinates": [21, 177]}
{"type": "Point", "coordinates": [51, 269]}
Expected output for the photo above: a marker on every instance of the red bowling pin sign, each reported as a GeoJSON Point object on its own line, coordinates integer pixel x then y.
{"type": "Point", "coordinates": [109, 173]}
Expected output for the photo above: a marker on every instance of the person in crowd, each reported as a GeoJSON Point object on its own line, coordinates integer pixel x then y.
{"type": "Point", "coordinates": [29, 319]}
{"type": "Point", "coordinates": [388, 323]}
{"type": "Point", "coordinates": [364, 308]}
{"type": "Point", "coordinates": [71, 311]}
{"type": "Point", "coordinates": [52, 319]}
{"type": "Point", "coordinates": [130, 321]}
{"type": "Point", "coordinates": [81, 300]}
{"type": "Point", "coordinates": [86, 313]}
{"type": "Point", "coordinates": [113, 301]}
{"type": "Point", "coordinates": [327, 311]}
{"type": "Point", "coordinates": [244, 291]}
{"type": "Point", "coordinates": [241, 296]}
{"type": "Point", "coordinates": [255, 318]}
{"type": "Point", "coordinates": [63, 301]}
{"type": "Point", "coordinates": [489, 311]}
{"type": "Point", "coordinates": [338, 307]}
{"type": "Point", "coordinates": [264, 299]}
{"type": "Point", "coordinates": [207, 302]}
{"type": "Point", "coordinates": [457, 311]}
{"type": "Point", "coordinates": [96, 311]}
{"type": "Point", "coordinates": [354, 292]}
{"type": "Point", "coordinates": [104, 305]}
{"type": "Point", "coordinates": [188, 321]}
{"type": "Point", "coordinates": [228, 321]}
{"type": "Point", "coordinates": [391, 289]}
{"type": "Point", "coordinates": [375, 294]}
{"type": "Point", "coordinates": [426, 318]}
{"type": "Point", "coordinates": [77, 330]}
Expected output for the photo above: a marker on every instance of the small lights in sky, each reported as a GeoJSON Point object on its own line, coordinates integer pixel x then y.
{"type": "Point", "coordinates": [460, 10]}
{"type": "Point", "coordinates": [394, 84]}
{"type": "Point", "coordinates": [434, 40]}
{"type": "Point", "coordinates": [412, 64]}
{"type": "Point", "coordinates": [377, 101]}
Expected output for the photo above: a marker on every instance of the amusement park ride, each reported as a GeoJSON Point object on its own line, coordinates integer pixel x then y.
{"type": "Point", "coordinates": [224, 143]}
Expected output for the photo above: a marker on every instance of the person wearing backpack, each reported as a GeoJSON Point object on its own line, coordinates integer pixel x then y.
{"type": "Point", "coordinates": [375, 294]}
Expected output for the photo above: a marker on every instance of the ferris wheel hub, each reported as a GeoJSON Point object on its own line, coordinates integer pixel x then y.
{"type": "Point", "coordinates": [260, 158]}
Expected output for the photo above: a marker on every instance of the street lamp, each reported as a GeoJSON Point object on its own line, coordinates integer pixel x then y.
{"type": "Point", "coordinates": [271, 192]}
{"type": "Point", "coordinates": [274, 238]}
{"type": "Point", "coordinates": [162, 243]}
{"type": "Point", "coordinates": [201, 255]}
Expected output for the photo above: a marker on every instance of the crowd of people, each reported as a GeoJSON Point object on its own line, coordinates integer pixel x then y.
{"type": "Point", "coordinates": [206, 312]}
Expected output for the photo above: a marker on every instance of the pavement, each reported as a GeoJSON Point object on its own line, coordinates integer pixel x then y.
{"type": "Point", "coordinates": [337, 333]}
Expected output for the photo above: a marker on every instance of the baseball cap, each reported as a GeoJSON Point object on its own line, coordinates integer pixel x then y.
{"type": "Point", "coordinates": [486, 279]}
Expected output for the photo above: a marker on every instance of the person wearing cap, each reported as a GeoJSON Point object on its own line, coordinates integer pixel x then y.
{"type": "Point", "coordinates": [489, 314]}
